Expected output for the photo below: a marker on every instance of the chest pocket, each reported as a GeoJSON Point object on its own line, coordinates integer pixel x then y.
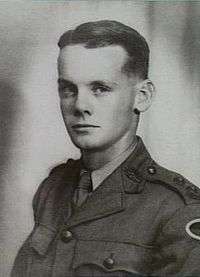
{"type": "Point", "coordinates": [32, 259]}
{"type": "Point", "coordinates": [111, 259]}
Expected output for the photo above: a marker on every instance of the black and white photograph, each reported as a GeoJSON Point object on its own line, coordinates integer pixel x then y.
{"type": "Point", "coordinates": [99, 138]}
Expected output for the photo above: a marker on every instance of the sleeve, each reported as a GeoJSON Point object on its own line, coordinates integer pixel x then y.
{"type": "Point", "coordinates": [25, 254]}
{"type": "Point", "coordinates": [39, 197]}
{"type": "Point", "coordinates": [179, 244]}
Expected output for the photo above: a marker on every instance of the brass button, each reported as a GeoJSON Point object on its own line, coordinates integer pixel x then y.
{"type": "Point", "coordinates": [179, 179]}
{"type": "Point", "coordinates": [193, 192]}
{"type": "Point", "coordinates": [151, 170]}
{"type": "Point", "coordinates": [193, 188]}
{"type": "Point", "coordinates": [108, 263]}
{"type": "Point", "coordinates": [66, 235]}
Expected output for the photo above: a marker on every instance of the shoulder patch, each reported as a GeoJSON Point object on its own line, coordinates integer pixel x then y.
{"type": "Point", "coordinates": [193, 228]}
{"type": "Point", "coordinates": [174, 181]}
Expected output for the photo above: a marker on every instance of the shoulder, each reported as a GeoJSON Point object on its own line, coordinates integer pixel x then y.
{"type": "Point", "coordinates": [61, 168]}
{"type": "Point", "coordinates": [180, 202]}
{"type": "Point", "coordinates": [164, 190]}
{"type": "Point", "coordinates": [144, 171]}
{"type": "Point", "coordinates": [53, 183]}
{"type": "Point", "coordinates": [172, 183]}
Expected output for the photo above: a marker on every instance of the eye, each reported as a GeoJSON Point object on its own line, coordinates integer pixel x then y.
{"type": "Point", "coordinates": [100, 89]}
{"type": "Point", "coordinates": [66, 90]}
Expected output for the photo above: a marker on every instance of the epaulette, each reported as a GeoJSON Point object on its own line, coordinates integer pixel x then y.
{"type": "Point", "coordinates": [62, 167]}
{"type": "Point", "coordinates": [57, 168]}
{"type": "Point", "coordinates": [173, 181]}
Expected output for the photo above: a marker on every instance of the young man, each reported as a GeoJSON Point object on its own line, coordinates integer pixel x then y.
{"type": "Point", "coordinates": [114, 212]}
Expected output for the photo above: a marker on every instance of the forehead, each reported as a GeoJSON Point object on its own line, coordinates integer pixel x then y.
{"type": "Point", "coordinates": [78, 61]}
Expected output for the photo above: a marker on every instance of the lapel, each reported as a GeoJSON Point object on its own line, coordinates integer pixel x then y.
{"type": "Point", "coordinates": [105, 200]}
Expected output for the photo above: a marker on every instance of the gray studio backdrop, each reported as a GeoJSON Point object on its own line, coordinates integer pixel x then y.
{"type": "Point", "coordinates": [32, 134]}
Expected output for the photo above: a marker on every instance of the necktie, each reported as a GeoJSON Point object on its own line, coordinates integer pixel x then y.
{"type": "Point", "coordinates": [83, 189]}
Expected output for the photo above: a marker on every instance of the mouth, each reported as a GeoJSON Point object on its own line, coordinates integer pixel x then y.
{"type": "Point", "coordinates": [84, 126]}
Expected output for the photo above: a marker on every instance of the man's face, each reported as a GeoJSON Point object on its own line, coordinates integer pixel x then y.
{"type": "Point", "coordinates": [96, 97]}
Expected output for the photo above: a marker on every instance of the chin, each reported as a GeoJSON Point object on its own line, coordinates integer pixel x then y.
{"type": "Point", "coordinates": [92, 145]}
{"type": "Point", "coordinates": [85, 145]}
{"type": "Point", "coordinates": [88, 144]}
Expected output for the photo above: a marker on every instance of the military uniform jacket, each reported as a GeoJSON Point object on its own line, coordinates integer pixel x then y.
{"type": "Point", "coordinates": [143, 220]}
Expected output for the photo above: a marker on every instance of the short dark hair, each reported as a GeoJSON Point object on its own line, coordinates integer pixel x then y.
{"type": "Point", "coordinates": [109, 32]}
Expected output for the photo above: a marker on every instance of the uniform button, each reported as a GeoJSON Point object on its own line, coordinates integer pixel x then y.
{"type": "Point", "coordinates": [179, 179]}
{"type": "Point", "coordinates": [66, 235]}
{"type": "Point", "coordinates": [193, 188]}
{"type": "Point", "coordinates": [151, 170]}
{"type": "Point", "coordinates": [108, 263]}
{"type": "Point", "coordinates": [194, 192]}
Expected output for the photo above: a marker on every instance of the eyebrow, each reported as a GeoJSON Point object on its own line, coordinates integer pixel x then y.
{"type": "Point", "coordinates": [102, 83]}
{"type": "Point", "coordinates": [69, 84]}
{"type": "Point", "coordinates": [66, 83]}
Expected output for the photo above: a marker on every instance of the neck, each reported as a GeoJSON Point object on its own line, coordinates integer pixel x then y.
{"type": "Point", "coordinates": [97, 158]}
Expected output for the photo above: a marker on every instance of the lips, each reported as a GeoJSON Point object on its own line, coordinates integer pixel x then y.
{"type": "Point", "coordinates": [80, 126]}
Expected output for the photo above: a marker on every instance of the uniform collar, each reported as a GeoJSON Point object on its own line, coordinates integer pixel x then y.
{"type": "Point", "coordinates": [135, 165]}
{"type": "Point", "coordinates": [108, 198]}
{"type": "Point", "coordinates": [136, 168]}
{"type": "Point", "coordinates": [99, 175]}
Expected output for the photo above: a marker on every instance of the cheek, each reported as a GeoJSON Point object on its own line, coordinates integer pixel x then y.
{"type": "Point", "coordinates": [123, 109]}
{"type": "Point", "coordinates": [124, 114]}
{"type": "Point", "coordinates": [66, 108]}
{"type": "Point", "coordinates": [116, 116]}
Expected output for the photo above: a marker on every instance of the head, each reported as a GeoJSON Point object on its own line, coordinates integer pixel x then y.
{"type": "Point", "coordinates": [103, 83]}
{"type": "Point", "coordinates": [106, 32]}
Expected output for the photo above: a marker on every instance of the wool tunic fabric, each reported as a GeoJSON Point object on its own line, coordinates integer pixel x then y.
{"type": "Point", "coordinates": [142, 220]}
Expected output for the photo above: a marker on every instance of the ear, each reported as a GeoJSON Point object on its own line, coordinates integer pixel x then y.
{"type": "Point", "coordinates": [145, 93]}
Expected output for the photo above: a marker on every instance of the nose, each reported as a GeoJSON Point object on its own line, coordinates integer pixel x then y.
{"type": "Point", "coordinates": [83, 103]}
